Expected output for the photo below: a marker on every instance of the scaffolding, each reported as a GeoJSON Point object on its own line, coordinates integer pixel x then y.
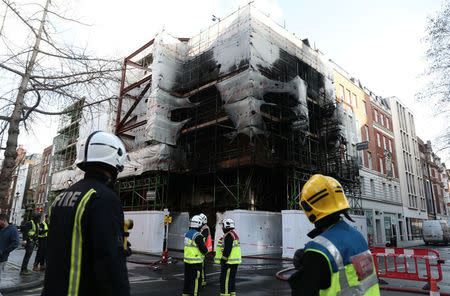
{"type": "Point", "coordinates": [65, 152]}
{"type": "Point", "coordinates": [257, 156]}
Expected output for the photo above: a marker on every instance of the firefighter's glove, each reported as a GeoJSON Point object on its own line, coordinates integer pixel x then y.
{"type": "Point", "coordinates": [128, 251]}
{"type": "Point", "coordinates": [298, 258]}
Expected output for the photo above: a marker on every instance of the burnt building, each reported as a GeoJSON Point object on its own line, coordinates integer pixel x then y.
{"type": "Point", "coordinates": [238, 116]}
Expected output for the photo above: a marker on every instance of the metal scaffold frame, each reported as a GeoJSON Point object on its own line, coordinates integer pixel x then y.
{"type": "Point", "coordinates": [225, 170]}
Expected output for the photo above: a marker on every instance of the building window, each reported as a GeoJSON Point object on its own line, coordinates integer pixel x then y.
{"type": "Point", "coordinates": [341, 92]}
{"type": "Point", "coordinates": [393, 169]}
{"type": "Point", "coordinates": [382, 119]}
{"type": "Point", "coordinates": [378, 140]}
{"type": "Point", "coordinates": [348, 98]}
{"type": "Point", "coordinates": [375, 115]}
{"type": "Point", "coordinates": [369, 159]}
{"type": "Point", "coordinates": [390, 191]}
{"type": "Point", "coordinates": [387, 123]}
{"type": "Point", "coordinates": [384, 143]}
{"type": "Point", "coordinates": [354, 102]}
{"type": "Point", "coordinates": [364, 108]}
{"type": "Point", "coordinates": [372, 187]}
{"type": "Point", "coordinates": [384, 190]}
{"type": "Point", "coordinates": [366, 128]}
{"type": "Point", "coordinates": [390, 145]}
{"type": "Point", "coordinates": [381, 165]}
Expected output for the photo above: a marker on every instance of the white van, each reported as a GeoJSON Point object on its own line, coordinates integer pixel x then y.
{"type": "Point", "coordinates": [435, 231]}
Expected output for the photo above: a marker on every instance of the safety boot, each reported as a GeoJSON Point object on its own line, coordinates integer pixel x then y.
{"type": "Point", "coordinates": [35, 268]}
{"type": "Point", "coordinates": [42, 267]}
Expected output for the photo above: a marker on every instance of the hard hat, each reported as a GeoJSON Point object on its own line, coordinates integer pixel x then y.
{"type": "Point", "coordinates": [204, 218]}
{"type": "Point", "coordinates": [196, 222]}
{"type": "Point", "coordinates": [102, 147]}
{"type": "Point", "coordinates": [322, 196]}
{"type": "Point", "coordinates": [227, 223]}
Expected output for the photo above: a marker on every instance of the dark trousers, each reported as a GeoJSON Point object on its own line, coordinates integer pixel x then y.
{"type": "Point", "coordinates": [192, 274]}
{"type": "Point", "coordinates": [41, 252]}
{"type": "Point", "coordinates": [228, 279]}
{"type": "Point", "coordinates": [28, 251]}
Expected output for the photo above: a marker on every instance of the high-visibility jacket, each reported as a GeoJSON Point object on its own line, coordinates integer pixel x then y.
{"type": "Point", "coordinates": [351, 264]}
{"type": "Point", "coordinates": [235, 256]}
{"type": "Point", "coordinates": [192, 254]}
{"type": "Point", "coordinates": [32, 231]}
{"type": "Point", "coordinates": [85, 254]}
{"type": "Point", "coordinates": [208, 239]}
{"type": "Point", "coordinates": [44, 232]}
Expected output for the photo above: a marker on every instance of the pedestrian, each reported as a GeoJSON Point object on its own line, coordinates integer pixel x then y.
{"type": "Point", "coordinates": [42, 245]}
{"type": "Point", "coordinates": [337, 260]}
{"type": "Point", "coordinates": [208, 242]}
{"type": "Point", "coordinates": [194, 255]}
{"type": "Point", "coordinates": [9, 240]}
{"type": "Point", "coordinates": [29, 232]}
{"type": "Point", "coordinates": [228, 255]}
{"type": "Point", "coordinates": [85, 253]}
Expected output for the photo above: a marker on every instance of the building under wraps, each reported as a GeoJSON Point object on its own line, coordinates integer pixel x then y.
{"type": "Point", "coordinates": [238, 116]}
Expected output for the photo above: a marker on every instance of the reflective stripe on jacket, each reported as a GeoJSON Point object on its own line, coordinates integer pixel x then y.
{"type": "Point", "coordinates": [235, 255]}
{"type": "Point", "coordinates": [44, 232]}
{"type": "Point", "coordinates": [192, 254]}
{"type": "Point", "coordinates": [351, 264]}
{"type": "Point", "coordinates": [208, 240]}
{"type": "Point", "coordinates": [32, 231]}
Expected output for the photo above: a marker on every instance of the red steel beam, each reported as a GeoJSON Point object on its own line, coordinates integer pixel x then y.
{"type": "Point", "coordinates": [130, 127]}
{"type": "Point", "coordinates": [148, 44]}
{"type": "Point", "coordinates": [136, 102]}
{"type": "Point", "coordinates": [136, 84]}
{"type": "Point", "coordinates": [138, 66]}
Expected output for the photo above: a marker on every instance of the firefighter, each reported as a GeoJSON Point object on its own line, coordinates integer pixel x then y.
{"type": "Point", "coordinates": [29, 232]}
{"type": "Point", "coordinates": [42, 245]}
{"type": "Point", "coordinates": [85, 254]}
{"type": "Point", "coordinates": [228, 255]}
{"type": "Point", "coordinates": [205, 231]}
{"type": "Point", "coordinates": [337, 260]}
{"type": "Point", "coordinates": [194, 255]}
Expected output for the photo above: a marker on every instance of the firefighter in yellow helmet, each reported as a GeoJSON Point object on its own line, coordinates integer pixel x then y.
{"type": "Point", "coordinates": [337, 260]}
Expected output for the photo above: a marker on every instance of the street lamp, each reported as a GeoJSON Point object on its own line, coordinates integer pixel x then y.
{"type": "Point", "coordinates": [14, 207]}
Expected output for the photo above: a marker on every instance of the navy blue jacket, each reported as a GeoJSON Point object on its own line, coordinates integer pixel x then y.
{"type": "Point", "coordinates": [101, 267]}
{"type": "Point", "coordinates": [9, 240]}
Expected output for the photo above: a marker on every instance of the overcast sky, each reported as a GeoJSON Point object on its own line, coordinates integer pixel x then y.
{"type": "Point", "coordinates": [377, 41]}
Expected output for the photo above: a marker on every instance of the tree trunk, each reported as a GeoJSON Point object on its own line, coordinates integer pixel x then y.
{"type": "Point", "coordinates": [16, 116]}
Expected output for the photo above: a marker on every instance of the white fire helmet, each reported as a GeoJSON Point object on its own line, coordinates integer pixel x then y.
{"type": "Point", "coordinates": [196, 222]}
{"type": "Point", "coordinates": [102, 147]}
{"type": "Point", "coordinates": [204, 218]}
{"type": "Point", "coordinates": [227, 223]}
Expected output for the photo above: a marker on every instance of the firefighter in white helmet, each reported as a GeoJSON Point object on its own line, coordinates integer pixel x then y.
{"type": "Point", "coordinates": [194, 255]}
{"type": "Point", "coordinates": [205, 231]}
{"type": "Point", "coordinates": [85, 254]}
{"type": "Point", "coordinates": [228, 255]}
{"type": "Point", "coordinates": [337, 260]}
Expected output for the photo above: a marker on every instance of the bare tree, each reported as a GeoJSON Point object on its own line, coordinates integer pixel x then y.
{"type": "Point", "coordinates": [42, 74]}
{"type": "Point", "coordinates": [437, 91]}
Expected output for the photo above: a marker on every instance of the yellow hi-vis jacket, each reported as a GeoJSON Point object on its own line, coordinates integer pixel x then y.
{"type": "Point", "coordinates": [192, 254]}
{"type": "Point", "coordinates": [235, 255]}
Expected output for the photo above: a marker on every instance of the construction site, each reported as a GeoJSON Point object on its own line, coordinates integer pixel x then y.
{"type": "Point", "coordinates": [236, 117]}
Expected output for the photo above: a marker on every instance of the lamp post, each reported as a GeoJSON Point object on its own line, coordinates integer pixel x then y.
{"type": "Point", "coordinates": [14, 207]}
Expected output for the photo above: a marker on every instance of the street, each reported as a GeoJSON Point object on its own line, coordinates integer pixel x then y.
{"type": "Point", "coordinates": [255, 277]}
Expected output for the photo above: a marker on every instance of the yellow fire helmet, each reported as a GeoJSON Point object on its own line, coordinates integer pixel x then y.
{"type": "Point", "coordinates": [322, 196]}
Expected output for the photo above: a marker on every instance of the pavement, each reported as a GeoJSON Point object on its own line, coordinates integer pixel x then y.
{"type": "Point", "coordinates": [255, 277]}
{"type": "Point", "coordinates": [12, 281]}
